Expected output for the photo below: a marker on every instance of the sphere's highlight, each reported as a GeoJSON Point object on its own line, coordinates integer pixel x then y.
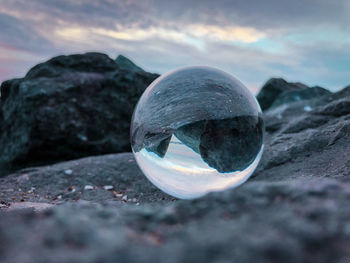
{"type": "Point", "coordinates": [197, 130]}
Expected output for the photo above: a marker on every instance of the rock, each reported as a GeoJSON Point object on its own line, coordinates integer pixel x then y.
{"type": "Point", "coordinates": [126, 64]}
{"type": "Point", "coordinates": [68, 171]}
{"type": "Point", "coordinates": [66, 108]}
{"type": "Point", "coordinates": [89, 180]}
{"type": "Point", "coordinates": [108, 187]}
{"type": "Point", "coordinates": [298, 95]}
{"type": "Point", "coordinates": [231, 144]}
{"type": "Point", "coordinates": [336, 108]}
{"type": "Point", "coordinates": [58, 66]}
{"type": "Point", "coordinates": [289, 221]}
{"type": "Point", "coordinates": [294, 209]}
{"type": "Point", "coordinates": [307, 142]}
{"type": "Point", "coordinates": [29, 205]}
{"type": "Point", "coordinates": [273, 88]}
{"type": "Point", "coordinates": [89, 187]}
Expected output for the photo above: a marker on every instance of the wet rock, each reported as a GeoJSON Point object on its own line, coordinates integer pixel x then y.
{"type": "Point", "coordinates": [66, 108]}
{"type": "Point", "coordinates": [273, 88]}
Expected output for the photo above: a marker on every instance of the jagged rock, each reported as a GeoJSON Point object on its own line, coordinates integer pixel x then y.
{"type": "Point", "coordinates": [273, 88]}
{"type": "Point", "coordinates": [66, 108]}
{"type": "Point", "coordinates": [127, 64]}
{"type": "Point", "coordinates": [336, 108]}
{"type": "Point", "coordinates": [308, 141]}
{"type": "Point", "coordinates": [298, 95]}
{"type": "Point", "coordinates": [58, 66]}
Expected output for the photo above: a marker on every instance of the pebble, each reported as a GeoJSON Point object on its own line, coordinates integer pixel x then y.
{"type": "Point", "coordinates": [68, 171]}
{"type": "Point", "coordinates": [108, 187]}
{"type": "Point", "coordinates": [59, 197]}
{"type": "Point", "coordinates": [88, 187]}
{"type": "Point", "coordinates": [82, 137]}
{"type": "Point", "coordinates": [31, 190]}
{"type": "Point", "coordinates": [307, 108]}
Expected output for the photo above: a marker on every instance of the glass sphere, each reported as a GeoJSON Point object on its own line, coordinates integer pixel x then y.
{"type": "Point", "coordinates": [196, 130]}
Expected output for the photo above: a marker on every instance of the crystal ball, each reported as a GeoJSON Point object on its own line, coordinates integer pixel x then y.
{"type": "Point", "coordinates": [196, 130]}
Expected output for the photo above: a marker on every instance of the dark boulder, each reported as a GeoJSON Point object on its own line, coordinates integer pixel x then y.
{"type": "Point", "coordinates": [66, 108]}
{"type": "Point", "coordinates": [273, 88]}
{"type": "Point", "coordinates": [90, 63]}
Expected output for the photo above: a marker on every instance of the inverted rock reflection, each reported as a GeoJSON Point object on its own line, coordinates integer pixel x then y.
{"type": "Point", "coordinates": [227, 145]}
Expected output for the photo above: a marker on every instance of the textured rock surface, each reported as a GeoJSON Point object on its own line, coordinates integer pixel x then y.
{"type": "Point", "coordinates": [275, 87]}
{"type": "Point", "coordinates": [101, 178]}
{"type": "Point", "coordinates": [294, 209]}
{"type": "Point", "coordinates": [298, 95]}
{"type": "Point", "coordinates": [126, 64]}
{"type": "Point", "coordinates": [290, 221]}
{"type": "Point", "coordinates": [308, 137]}
{"type": "Point", "coordinates": [68, 107]}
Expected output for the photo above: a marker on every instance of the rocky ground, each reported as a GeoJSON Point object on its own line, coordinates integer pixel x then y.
{"type": "Point", "coordinates": [295, 208]}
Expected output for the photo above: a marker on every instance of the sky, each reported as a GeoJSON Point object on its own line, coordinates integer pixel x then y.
{"type": "Point", "coordinates": [300, 40]}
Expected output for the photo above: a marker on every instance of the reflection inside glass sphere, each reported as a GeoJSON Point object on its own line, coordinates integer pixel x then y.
{"type": "Point", "coordinates": [197, 130]}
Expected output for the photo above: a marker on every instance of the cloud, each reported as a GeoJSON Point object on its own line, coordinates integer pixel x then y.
{"type": "Point", "coordinates": [261, 15]}
{"type": "Point", "coordinates": [299, 40]}
{"type": "Point", "coordinates": [20, 47]}
{"type": "Point", "coordinates": [17, 34]}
